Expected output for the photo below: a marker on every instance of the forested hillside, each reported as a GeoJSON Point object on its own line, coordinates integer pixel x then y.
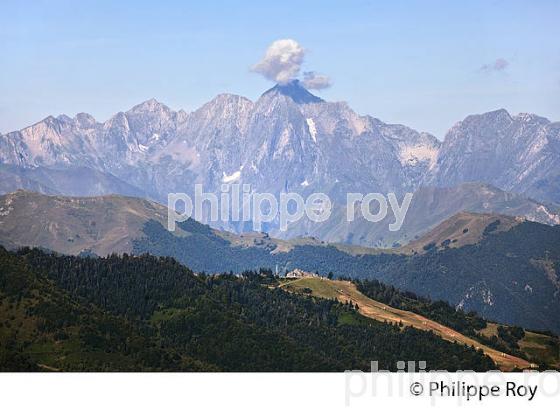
{"type": "Point", "coordinates": [542, 348]}
{"type": "Point", "coordinates": [511, 277]}
{"type": "Point", "coordinates": [505, 269]}
{"type": "Point", "coordinates": [152, 313]}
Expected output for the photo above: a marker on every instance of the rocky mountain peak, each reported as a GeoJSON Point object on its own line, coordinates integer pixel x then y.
{"type": "Point", "coordinates": [494, 119]}
{"type": "Point", "coordinates": [119, 121]}
{"type": "Point", "coordinates": [227, 102]}
{"type": "Point", "coordinates": [150, 106]}
{"type": "Point", "coordinates": [294, 90]}
{"type": "Point", "coordinates": [84, 120]}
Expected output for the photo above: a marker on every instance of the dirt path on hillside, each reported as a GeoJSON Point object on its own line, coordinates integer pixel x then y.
{"type": "Point", "coordinates": [347, 291]}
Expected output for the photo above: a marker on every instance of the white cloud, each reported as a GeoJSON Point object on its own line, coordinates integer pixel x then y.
{"type": "Point", "coordinates": [282, 61]}
{"type": "Point", "coordinates": [499, 65]}
{"type": "Point", "coordinates": [315, 81]}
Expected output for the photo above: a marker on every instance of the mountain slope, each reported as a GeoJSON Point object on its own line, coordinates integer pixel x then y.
{"type": "Point", "coordinates": [500, 266]}
{"type": "Point", "coordinates": [464, 228]}
{"type": "Point", "coordinates": [429, 207]}
{"type": "Point", "coordinates": [43, 327]}
{"type": "Point", "coordinates": [224, 323]}
{"type": "Point", "coordinates": [510, 276]}
{"type": "Point", "coordinates": [500, 277]}
{"type": "Point", "coordinates": [73, 181]}
{"type": "Point", "coordinates": [70, 225]}
{"type": "Point", "coordinates": [519, 153]}
{"type": "Point", "coordinates": [346, 292]}
{"type": "Point", "coordinates": [113, 224]}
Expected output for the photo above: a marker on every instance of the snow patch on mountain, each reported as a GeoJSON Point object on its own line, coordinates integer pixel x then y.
{"type": "Point", "coordinates": [232, 177]}
{"type": "Point", "coordinates": [312, 128]}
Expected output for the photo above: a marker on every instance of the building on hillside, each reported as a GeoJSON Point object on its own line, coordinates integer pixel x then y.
{"type": "Point", "coordinates": [298, 273]}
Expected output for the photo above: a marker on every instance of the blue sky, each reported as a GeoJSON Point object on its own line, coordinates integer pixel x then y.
{"type": "Point", "coordinates": [416, 63]}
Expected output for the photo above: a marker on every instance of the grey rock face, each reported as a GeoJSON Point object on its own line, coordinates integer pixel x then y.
{"type": "Point", "coordinates": [519, 154]}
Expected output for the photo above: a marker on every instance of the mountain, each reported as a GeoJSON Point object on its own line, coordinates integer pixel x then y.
{"type": "Point", "coordinates": [507, 270]}
{"type": "Point", "coordinates": [110, 224]}
{"type": "Point", "coordinates": [464, 228]}
{"type": "Point", "coordinates": [429, 207]}
{"type": "Point", "coordinates": [515, 153]}
{"type": "Point", "coordinates": [75, 181]}
{"type": "Point", "coordinates": [286, 140]}
{"type": "Point", "coordinates": [71, 225]}
{"type": "Point", "coordinates": [295, 91]}
{"type": "Point", "coordinates": [510, 276]}
{"type": "Point", "coordinates": [106, 224]}
{"type": "Point", "coordinates": [290, 140]}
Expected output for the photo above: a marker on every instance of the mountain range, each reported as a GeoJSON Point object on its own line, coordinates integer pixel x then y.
{"type": "Point", "coordinates": [291, 140]}
{"type": "Point", "coordinates": [505, 268]}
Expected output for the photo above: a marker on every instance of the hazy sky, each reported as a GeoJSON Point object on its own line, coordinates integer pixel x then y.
{"type": "Point", "coordinates": [423, 64]}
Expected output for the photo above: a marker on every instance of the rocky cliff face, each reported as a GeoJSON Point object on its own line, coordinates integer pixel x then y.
{"type": "Point", "coordinates": [519, 153]}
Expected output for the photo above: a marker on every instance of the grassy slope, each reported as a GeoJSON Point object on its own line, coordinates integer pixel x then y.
{"type": "Point", "coordinates": [346, 291]}
{"type": "Point", "coordinates": [537, 346]}
{"type": "Point", "coordinates": [464, 228]}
